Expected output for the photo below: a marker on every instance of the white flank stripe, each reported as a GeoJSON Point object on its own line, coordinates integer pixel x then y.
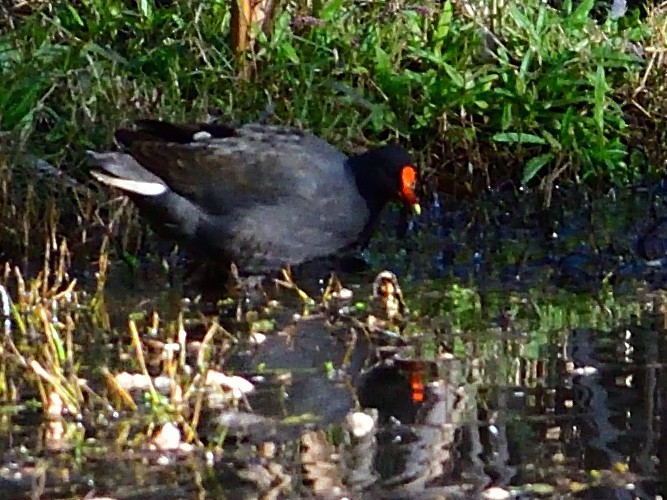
{"type": "Point", "coordinates": [139, 187]}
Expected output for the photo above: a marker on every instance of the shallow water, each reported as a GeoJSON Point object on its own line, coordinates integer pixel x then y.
{"type": "Point", "coordinates": [532, 361]}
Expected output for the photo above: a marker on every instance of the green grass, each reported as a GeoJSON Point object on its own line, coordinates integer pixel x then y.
{"type": "Point", "coordinates": [555, 99]}
{"type": "Point", "coordinates": [73, 71]}
{"type": "Point", "coordinates": [560, 97]}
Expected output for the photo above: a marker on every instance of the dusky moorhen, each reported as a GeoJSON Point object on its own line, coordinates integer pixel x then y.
{"type": "Point", "coordinates": [259, 196]}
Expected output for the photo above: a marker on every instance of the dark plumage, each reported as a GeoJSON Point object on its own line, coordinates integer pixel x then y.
{"type": "Point", "coordinates": [260, 196]}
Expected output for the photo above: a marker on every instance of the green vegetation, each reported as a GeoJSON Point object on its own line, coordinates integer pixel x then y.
{"type": "Point", "coordinates": [551, 94]}
{"type": "Point", "coordinates": [530, 94]}
{"type": "Point", "coordinates": [554, 95]}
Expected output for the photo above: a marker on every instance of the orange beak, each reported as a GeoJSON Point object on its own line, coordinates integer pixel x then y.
{"type": "Point", "coordinates": [408, 183]}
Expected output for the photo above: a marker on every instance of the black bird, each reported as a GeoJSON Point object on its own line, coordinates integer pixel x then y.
{"type": "Point", "coordinates": [257, 195]}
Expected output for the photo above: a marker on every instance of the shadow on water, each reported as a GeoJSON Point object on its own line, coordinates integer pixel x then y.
{"type": "Point", "coordinates": [532, 364]}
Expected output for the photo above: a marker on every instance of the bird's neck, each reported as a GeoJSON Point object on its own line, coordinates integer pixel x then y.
{"type": "Point", "coordinates": [365, 176]}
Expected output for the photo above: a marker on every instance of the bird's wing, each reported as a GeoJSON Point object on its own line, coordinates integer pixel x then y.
{"type": "Point", "coordinates": [224, 167]}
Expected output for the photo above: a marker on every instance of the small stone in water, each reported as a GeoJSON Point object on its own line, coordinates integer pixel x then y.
{"type": "Point", "coordinates": [237, 385]}
{"type": "Point", "coordinates": [360, 424]}
{"type": "Point", "coordinates": [257, 338]}
{"type": "Point", "coordinates": [496, 493]}
{"type": "Point", "coordinates": [167, 438]}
